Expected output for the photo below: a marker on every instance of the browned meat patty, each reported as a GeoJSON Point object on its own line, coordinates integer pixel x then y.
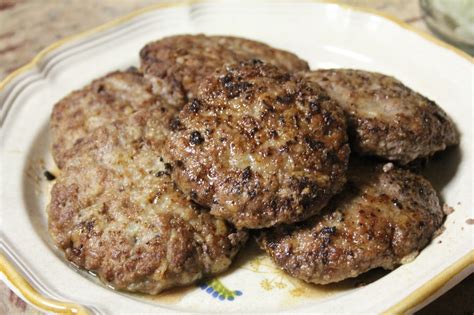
{"type": "Point", "coordinates": [259, 146]}
{"type": "Point", "coordinates": [381, 219]}
{"type": "Point", "coordinates": [183, 61]}
{"type": "Point", "coordinates": [115, 96]}
{"type": "Point", "coordinates": [386, 118]}
{"type": "Point", "coordinates": [115, 211]}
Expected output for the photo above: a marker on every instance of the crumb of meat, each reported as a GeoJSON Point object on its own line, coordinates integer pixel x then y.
{"type": "Point", "coordinates": [49, 175]}
{"type": "Point", "coordinates": [387, 167]}
{"type": "Point", "coordinates": [439, 231]}
{"type": "Point", "coordinates": [409, 258]}
{"type": "Point", "coordinates": [447, 209]}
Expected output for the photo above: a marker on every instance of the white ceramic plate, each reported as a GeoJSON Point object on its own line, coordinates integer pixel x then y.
{"type": "Point", "coordinates": [327, 35]}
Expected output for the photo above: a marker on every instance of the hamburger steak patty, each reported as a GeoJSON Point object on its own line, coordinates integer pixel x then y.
{"type": "Point", "coordinates": [386, 118]}
{"type": "Point", "coordinates": [184, 61]}
{"type": "Point", "coordinates": [115, 211]}
{"type": "Point", "coordinates": [259, 146]}
{"type": "Point", "coordinates": [114, 96]}
{"type": "Point", "coordinates": [381, 219]}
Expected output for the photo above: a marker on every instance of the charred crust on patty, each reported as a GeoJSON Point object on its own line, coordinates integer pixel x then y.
{"type": "Point", "coordinates": [251, 132]}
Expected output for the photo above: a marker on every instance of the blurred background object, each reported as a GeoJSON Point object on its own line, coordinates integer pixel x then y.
{"type": "Point", "coordinates": [452, 20]}
{"type": "Point", "coordinates": [28, 26]}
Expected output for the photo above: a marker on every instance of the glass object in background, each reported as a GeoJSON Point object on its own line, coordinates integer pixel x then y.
{"type": "Point", "coordinates": [452, 20]}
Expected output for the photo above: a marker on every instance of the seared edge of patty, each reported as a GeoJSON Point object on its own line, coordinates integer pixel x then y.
{"type": "Point", "coordinates": [259, 146]}
{"type": "Point", "coordinates": [381, 219]}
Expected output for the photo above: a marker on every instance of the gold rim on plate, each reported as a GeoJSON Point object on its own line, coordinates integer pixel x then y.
{"type": "Point", "coordinates": [32, 296]}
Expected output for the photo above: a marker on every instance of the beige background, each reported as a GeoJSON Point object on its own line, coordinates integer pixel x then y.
{"type": "Point", "coordinates": [27, 26]}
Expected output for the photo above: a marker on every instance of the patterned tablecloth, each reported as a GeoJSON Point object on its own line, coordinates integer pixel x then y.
{"type": "Point", "coordinates": [27, 26]}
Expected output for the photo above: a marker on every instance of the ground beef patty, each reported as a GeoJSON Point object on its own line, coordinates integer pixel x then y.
{"type": "Point", "coordinates": [183, 61]}
{"type": "Point", "coordinates": [114, 96]}
{"type": "Point", "coordinates": [115, 211]}
{"type": "Point", "coordinates": [381, 219]}
{"type": "Point", "coordinates": [259, 146]}
{"type": "Point", "coordinates": [386, 118]}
